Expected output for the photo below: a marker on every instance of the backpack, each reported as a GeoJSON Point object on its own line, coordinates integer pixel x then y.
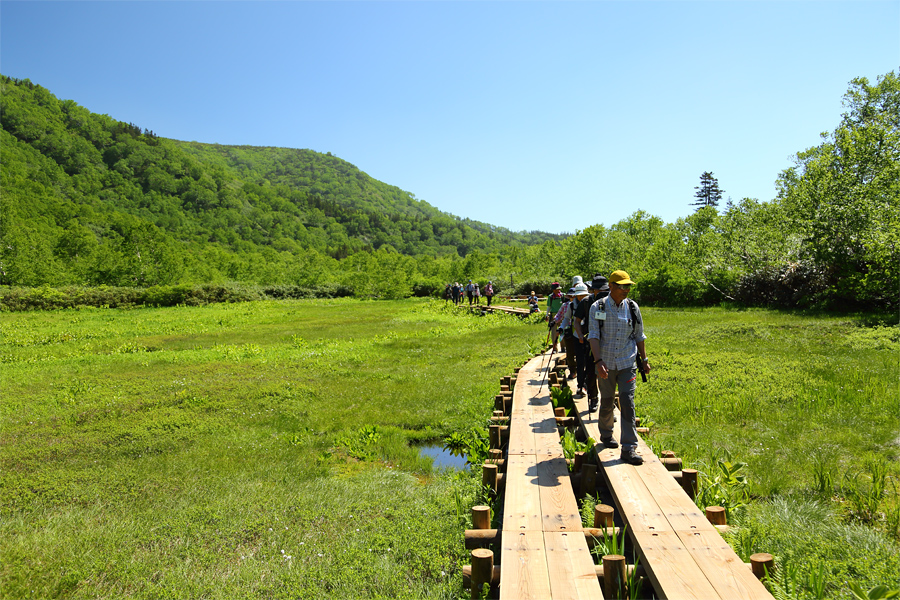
{"type": "Point", "coordinates": [632, 306]}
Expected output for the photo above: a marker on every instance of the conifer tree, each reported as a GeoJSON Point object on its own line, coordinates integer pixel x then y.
{"type": "Point", "coordinates": [708, 192]}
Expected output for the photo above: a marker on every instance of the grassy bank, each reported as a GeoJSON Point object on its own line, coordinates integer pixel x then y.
{"type": "Point", "coordinates": [266, 449]}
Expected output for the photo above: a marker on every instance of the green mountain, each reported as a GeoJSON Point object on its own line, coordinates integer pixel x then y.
{"type": "Point", "coordinates": [91, 200]}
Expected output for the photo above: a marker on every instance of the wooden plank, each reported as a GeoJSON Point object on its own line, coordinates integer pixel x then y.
{"type": "Point", "coordinates": [523, 572]}
{"type": "Point", "coordinates": [522, 505]}
{"type": "Point", "coordinates": [571, 567]}
{"type": "Point", "coordinates": [679, 510]}
{"type": "Point", "coordinates": [723, 568]}
{"type": "Point", "coordinates": [521, 433]}
{"type": "Point", "coordinates": [559, 509]}
{"type": "Point", "coordinates": [671, 567]}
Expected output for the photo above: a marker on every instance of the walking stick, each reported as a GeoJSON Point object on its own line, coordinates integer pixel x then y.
{"type": "Point", "coordinates": [552, 350]}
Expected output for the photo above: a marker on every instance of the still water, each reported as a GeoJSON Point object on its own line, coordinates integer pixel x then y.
{"type": "Point", "coordinates": [443, 458]}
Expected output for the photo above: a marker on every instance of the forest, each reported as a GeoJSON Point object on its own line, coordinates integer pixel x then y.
{"type": "Point", "coordinates": [88, 201]}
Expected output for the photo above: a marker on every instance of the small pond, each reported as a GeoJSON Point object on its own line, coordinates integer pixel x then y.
{"type": "Point", "coordinates": [442, 458]}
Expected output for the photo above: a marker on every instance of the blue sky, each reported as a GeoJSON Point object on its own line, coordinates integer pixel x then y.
{"type": "Point", "coordinates": [545, 116]}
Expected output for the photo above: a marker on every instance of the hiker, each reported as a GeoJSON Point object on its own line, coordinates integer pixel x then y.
{"type": "Point", "coordinates": [477, 294]}
{"type": "Point", "coordinates": [457, 292]}
{"type": "Point", "coordinates": [599, 289]}
{"type": "Point", "coordinates": [617, 339]}
{"type": "Point", "coordinates": [554, 302]}
{"type": "Point", "coordinates": [489, 291]}
{"type": "Point", "coordinates": [576, 340]}
{"type": "Point", "coordinates": [560, 323]}
{"type": "Point", "coordinates": [447, 293]}
{"type": "Point", "coordinates": [533, 302]}
{"type": "Point", "coordinates": [470, 291]}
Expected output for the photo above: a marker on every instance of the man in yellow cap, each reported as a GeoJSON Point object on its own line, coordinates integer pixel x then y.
{"type": "Point", "coordinates": [616, 334]}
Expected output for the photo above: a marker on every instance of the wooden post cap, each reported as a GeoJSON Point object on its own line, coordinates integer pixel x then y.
{"type": "Point", "coordinates": [603, 515]}
{"type": "Point", "coordinates": [559, 411]}
{"type": "Point", "coordinates": [667, 454]}
{"type": "Point", "coordinates": [716, 515]}
{"type": "Point", "coordinates": [481, 517]}
{"type": "Point", "coordinates": [762, 564]}
{"type": "Point", "coordinates": [482, 569]}
{"type": "Point", "coordinates": [614, 576]}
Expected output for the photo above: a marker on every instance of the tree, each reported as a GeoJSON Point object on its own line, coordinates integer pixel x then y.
{"type": "Point", "coordinates": [708, 192]}
{"type": "Point", "coordinates": [844, 196]}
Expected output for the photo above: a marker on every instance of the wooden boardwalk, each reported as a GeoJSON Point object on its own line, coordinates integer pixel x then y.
{"type": "Point", "coordinates": [544, 551]}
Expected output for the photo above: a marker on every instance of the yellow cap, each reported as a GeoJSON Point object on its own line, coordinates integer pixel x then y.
{"type": "Point", "coordinates": [620, 277]}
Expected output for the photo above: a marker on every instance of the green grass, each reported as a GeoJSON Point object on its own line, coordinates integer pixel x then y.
{"type": "Point", "coordinates": [176, 452]}
{"type": "Point", "coordinates": [156, 453]}
{"type": "Point", "coordinates": [810, 403]}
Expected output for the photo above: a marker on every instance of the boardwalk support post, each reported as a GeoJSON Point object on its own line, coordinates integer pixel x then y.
{"type": "Point", "coordinates": [762, 564]}
{"type": "Point", "coordinates": [481, 517]}
{"type": "Point", "coordinates": [482, 569]}
{"type": "Point", "coordinates": [613, 576]}
{"type": "Point", "coordinates": [588, 479]}
{"type": "Point", "coordinates": [603, 515]}
{"type": "Point", "coordinates": [489, 476]}
{"type": "Point", "coordinates": [689, 482]}
{"type": "Point", "coordinates": [716, 515]}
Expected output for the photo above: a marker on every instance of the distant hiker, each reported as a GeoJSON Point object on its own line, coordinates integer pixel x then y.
{"type": "Point", "coordinates": [489, 291]}
{"type": "Point", "coordinates": [457, 292]}
{"type": "Point", "coordinates": [447, 293]}
{"type": "Point", "coordinates": [470, 291]}
{"type": "Point", "coordinates": [617, 339]}
{"type": "Point", "coordinates": [477, 295]}
{"type": "Point", "coordinates": [575, 345]}
{"type": "Point", "coordinates": [533, 302]}
{"type": "Point", "coordinates": [554, 301]}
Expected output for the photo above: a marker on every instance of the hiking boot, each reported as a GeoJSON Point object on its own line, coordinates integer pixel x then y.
{"type": "Point", "coordinates": [579, 393]}
{"type": "Point", "coordinates": [610, 443]}
{"type": "Point", "coordinates": [592, 404]}
{"type": "Point", "coordinates": [630, 456]}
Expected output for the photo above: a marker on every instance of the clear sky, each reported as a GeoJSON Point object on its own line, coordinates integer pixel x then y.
{"type": "Point", "coordinates": [535, 115]}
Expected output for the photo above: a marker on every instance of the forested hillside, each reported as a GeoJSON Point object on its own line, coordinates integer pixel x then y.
{"type": "Point", "coordinates": [88, 200]}
{"type": "Point", "coordinates": [91, 200]}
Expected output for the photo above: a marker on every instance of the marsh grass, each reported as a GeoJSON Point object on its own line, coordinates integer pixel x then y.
{"type": "Point", "coordinates": [267, 449]}
{"type": "Point", "coordinates": [810, 404]}
{"type": "Point", "coordinates": [243, 450]}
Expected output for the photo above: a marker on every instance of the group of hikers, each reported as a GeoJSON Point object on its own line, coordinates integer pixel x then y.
{"type": "Point", "coordinates": [471, 290]}
{"type": "Point", "coordinates": [602, 333]}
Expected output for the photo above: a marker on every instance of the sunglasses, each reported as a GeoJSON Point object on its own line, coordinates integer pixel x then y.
{"type": "Point", "coordinates": [624, 286]}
